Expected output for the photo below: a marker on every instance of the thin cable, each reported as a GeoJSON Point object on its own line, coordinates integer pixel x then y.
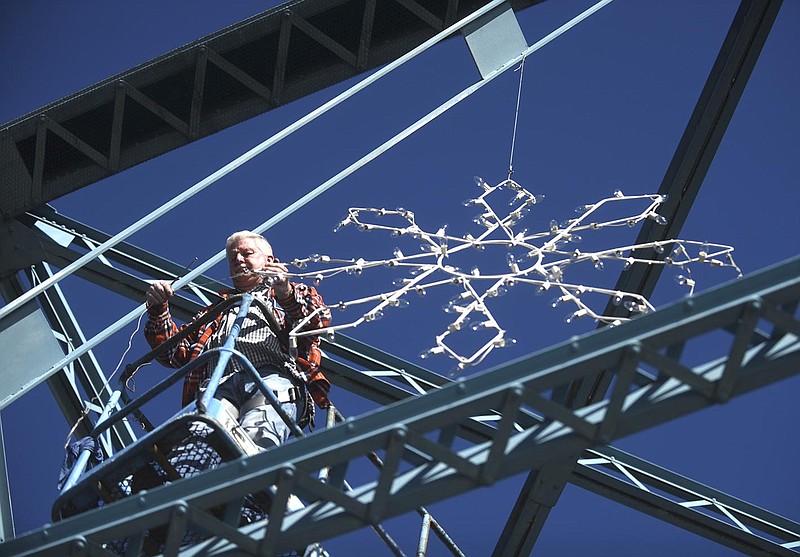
{"type": "Point", "coordinates": [516, 119]}
{"type": "Point", "coordinates": [105, 384]}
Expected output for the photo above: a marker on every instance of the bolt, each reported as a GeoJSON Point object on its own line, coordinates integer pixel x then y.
{"type": "Point", "coordinates": [287, 473]}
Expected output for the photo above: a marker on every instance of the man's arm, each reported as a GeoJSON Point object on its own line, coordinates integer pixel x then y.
{"type": "Point", "coordinates": [160, 326]}
{"type": "Point", "coordinates": [300, 301]}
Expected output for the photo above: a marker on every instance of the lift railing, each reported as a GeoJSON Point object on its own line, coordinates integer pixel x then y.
{"type": "Point", "coordinates": [200, 436]}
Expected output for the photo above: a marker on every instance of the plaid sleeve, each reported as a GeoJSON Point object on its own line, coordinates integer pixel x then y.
{"type": "Point", "coordinates": [159, 328]}
{"type": "Point", "coordinates": [303, 301]}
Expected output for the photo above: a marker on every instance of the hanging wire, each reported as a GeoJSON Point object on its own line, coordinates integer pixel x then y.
{"type": "Point", "coordinates": [106, 383]}
{"type": "Point", "coordinates": [521, 70]}
{"type": "Point", "coordinates": [129, 384]}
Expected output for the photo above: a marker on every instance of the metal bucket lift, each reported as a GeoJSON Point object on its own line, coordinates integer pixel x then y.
{"type": "Point", "coordinates": [199, 437]}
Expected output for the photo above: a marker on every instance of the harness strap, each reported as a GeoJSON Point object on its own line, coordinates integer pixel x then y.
{"type": "Point", "coordinates": [292, 394]}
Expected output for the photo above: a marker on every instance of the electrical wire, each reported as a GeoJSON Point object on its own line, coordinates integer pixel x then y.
{"type": "Point", "coordinates": [521, 70]}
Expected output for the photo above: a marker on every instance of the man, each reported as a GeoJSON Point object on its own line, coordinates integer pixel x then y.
{"type": "Point", "coordinates": [295, 380]}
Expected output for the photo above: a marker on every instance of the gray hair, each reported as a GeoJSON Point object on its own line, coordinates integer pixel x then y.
{"type": "Point", "coordinates": [261, 243]}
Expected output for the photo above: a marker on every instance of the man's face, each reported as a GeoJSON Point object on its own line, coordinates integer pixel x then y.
{"type": "Point", "coordinates": [245, 256]}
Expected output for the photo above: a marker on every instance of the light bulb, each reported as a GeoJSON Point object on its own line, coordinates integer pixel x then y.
{"type": "Point", "coordinates": [432, 352]}
{"type": "Point", "coordinates": [618, 193]}
{"type": "Point", "coordinates": [482, 221]}
{"type": "Point", "coordinates": [504, 342]}
{"type": "Point", "coordinates": [574, 315]}
{"type": "Point", "coordinates": [544, 287]}
{"type": "Point", "coordinates": [517, 197]}
{"type": "Point", "coordinates": [497, 292]}
{"type": "Point", "coordinates": [397, 253]}
{"type": "Point", "coordinates": [470, 202]}
{"type": "Point", "coordinates": [399, 303]}
{"type": "Point", "coordinates": [634, 307]}
{"type": "Point", "coordinates": [458, 325]}
{"type": "Point", "coordinates": [452, 307]}
{"type": "Point", "coordinates": [481, 183]}
{"type": "Point", "coordinates": [512, 262]}
{"type": "Point", "coordinates": [659, 219]}
{"type": "Point", "coordinates": [373, 316]}
{"type": "Point", "coordinates": [555, 273]}
{"type": "Point", "coordinates": [583, 208]}
{"type": "Point", "coordinates": [318, 280]}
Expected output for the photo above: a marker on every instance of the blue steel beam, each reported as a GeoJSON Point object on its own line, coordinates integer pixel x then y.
{"type": "Point", "coordinates": [695, 152]}
{"type": "Point", "coordinates": [409, 426]}
{"type": "Point", "coordinates": [689, 499]}
{"type": "Point", "coordinates": [681, 183]}
{"type": "Point", "coordinates": [691, 505]}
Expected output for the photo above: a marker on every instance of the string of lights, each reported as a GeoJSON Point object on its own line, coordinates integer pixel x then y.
{"type": "Point", "coordinates": [540, 259]}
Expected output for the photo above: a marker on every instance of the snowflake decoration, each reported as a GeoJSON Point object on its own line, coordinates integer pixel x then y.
{"type": "Point", "coordinates": [547, 259]}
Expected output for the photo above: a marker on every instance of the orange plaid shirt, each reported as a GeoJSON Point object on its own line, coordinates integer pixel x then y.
{"type": "Point", "coordinates": [303, 301]}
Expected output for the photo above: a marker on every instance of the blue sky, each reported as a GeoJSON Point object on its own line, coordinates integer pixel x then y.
{"type": "Point", "coordinates": [603, 107]}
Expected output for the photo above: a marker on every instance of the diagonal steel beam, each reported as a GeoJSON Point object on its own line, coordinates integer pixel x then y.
{"type": "Point", "coordinates": [703, 134]}
{"type": "Point", "coordinates": [678, 500]}
{"type": "Point", "coordinates": [698, 145]}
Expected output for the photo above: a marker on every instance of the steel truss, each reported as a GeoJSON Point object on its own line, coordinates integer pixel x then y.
{"type": "Point", "coordinates": [399, 379]}
{"type": "Point", "coordinates": [244, 70]}
{"type": "Point", "coordinates": [425, 459]}
{"type": "Point", "coordinates": [524, 428]}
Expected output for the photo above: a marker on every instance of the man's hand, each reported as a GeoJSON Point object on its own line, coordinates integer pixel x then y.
{"type": "Point", "coordinates": [280, 279]}
{"type": "Point", "coordinates": [158, 293]}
